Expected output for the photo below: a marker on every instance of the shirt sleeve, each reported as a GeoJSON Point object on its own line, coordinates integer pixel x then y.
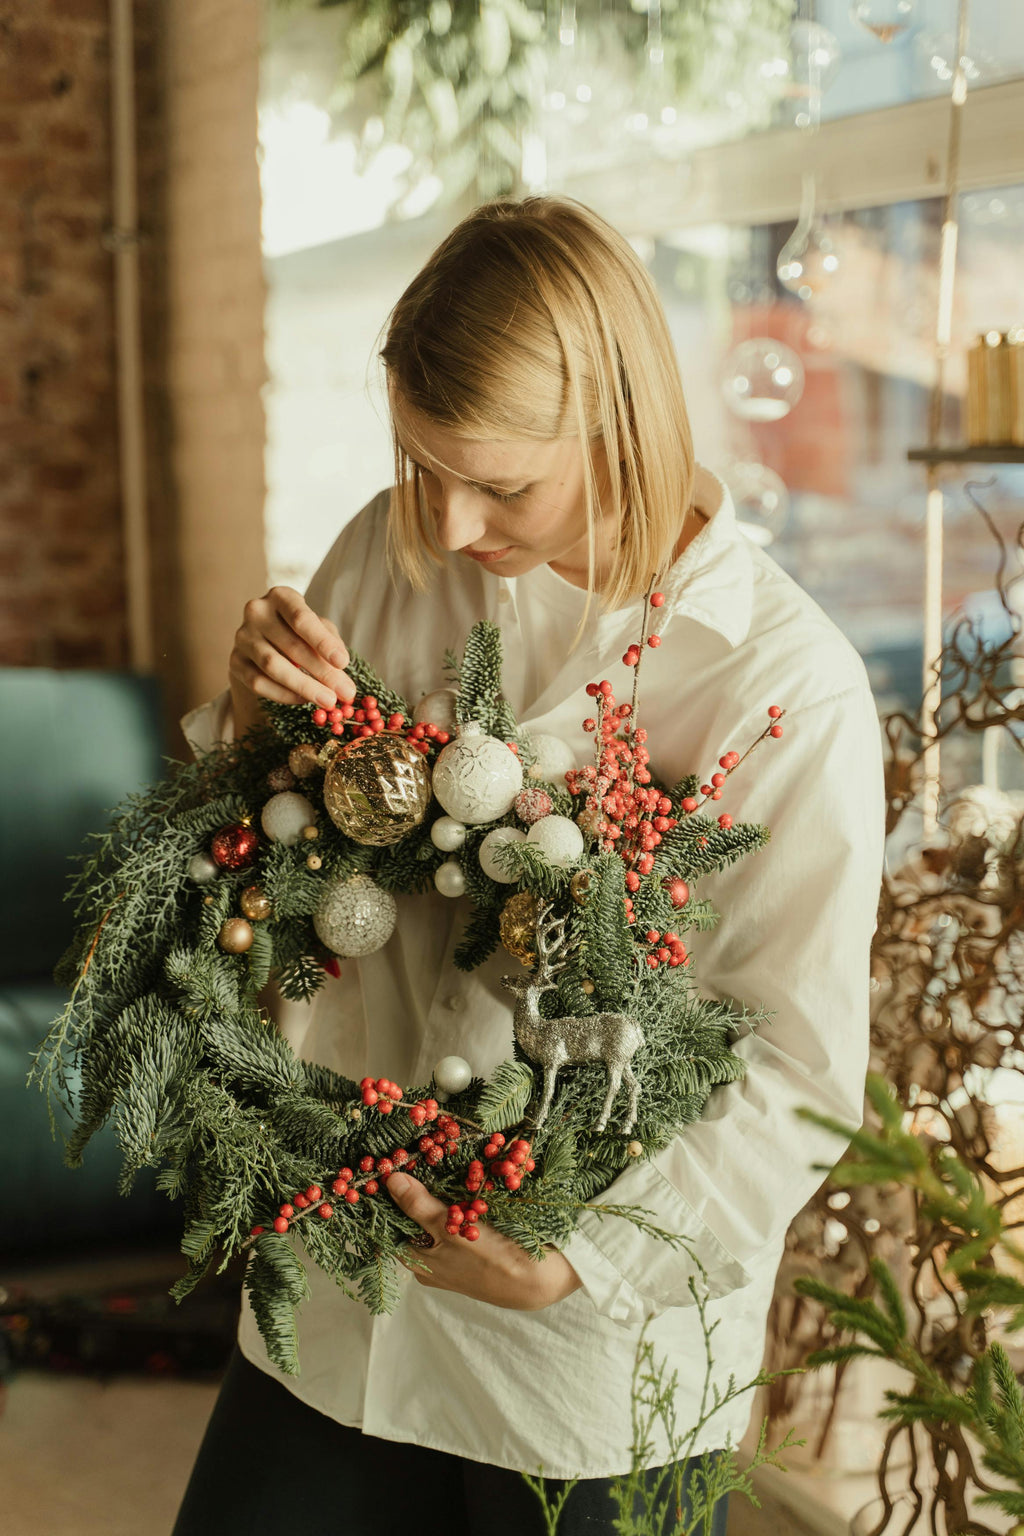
{"type": "Point", "coordinates": [794, 937]}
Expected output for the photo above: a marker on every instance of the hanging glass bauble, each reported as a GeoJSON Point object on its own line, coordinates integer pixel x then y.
{"type": "Point", "coordinates": [815, 57]}
{"type": "Point", "coordinates": [377, 789]}
{"type": "Point", "coordinates": [554, 758]}
{"type": "Point", "coordinates": [487, 853]}
{"type": "Point", "coordinates": [884, 19]}
{"type": "Point", "coordinates": [810, 257]}
{"type": "Point", "coordinates": [760, 498]}
{"type": "Point", "coordinates": [558, 838]}
{"type": "Point", "coordinates": [938, 50]}
{"type": "Point", "coordinates": [763, 379]}
{"type": "Point", "coordinates": [438, 708]}
{"type": "Point", "coordinates": [477, 777]}
{"type": "Point", "coordinates": [355, 917]}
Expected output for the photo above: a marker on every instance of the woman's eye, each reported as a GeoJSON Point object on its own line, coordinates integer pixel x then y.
{"type": "Point", "coordinates": [508, 496]}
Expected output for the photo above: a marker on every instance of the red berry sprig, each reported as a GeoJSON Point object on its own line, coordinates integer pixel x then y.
{"type": "Point", "coordinates": [363, 717]}
{"type": "Point", "coordinates": [463, 1219]}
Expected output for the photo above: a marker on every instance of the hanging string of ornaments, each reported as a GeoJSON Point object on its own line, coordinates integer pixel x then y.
{"type": "Point", "coordinates": [278, 858]}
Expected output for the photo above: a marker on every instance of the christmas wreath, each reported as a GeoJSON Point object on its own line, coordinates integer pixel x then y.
{"type": "Point", "coordinates": [274, 857]}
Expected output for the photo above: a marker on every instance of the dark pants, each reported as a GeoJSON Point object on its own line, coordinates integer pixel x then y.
{"type": "Point", "coordinates": [268, 1463]}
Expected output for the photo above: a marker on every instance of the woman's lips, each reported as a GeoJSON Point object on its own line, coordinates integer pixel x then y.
{"type": "Point", "coordinates": [486, 555]}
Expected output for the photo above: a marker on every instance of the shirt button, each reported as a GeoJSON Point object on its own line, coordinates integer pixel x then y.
{"type": "Point", "coordinates": [455, 1003]}
{"type": "Point", "coordinates": [504, 595]}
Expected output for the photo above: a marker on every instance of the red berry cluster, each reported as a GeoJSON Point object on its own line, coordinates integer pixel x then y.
{"type": "Point", "coordinates": [445, 1140]}
{"type": "Point", "coordinates": [629, 817]}
{"type": "Point", "coordinates": [380, 1094]}
{"type": "Point", "coordinates": [312, 1199]}
{"type": "Point", "coordinates": [463, 1219]}
{"type": "Point", "coordinates": [507, 1164]}
{"type": "Point", "coordinates": [665, 949]}
{"type": "Point", "coordinates": [364, 718]}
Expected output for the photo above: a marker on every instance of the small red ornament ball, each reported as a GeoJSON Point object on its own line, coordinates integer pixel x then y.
{"type": "Point", "coordinates": [234, 847]}
{"type": "Point", "coordinates": [678, 892]}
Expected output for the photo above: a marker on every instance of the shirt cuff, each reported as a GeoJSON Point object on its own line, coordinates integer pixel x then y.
{"type": "Point", "coordinates": [211, 723]}
{"type": "Point", "coordinates": [611, 1293]}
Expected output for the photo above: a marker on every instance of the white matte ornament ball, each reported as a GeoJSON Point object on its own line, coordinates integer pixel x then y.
{"type": "Point", "coordinates": [448, 834]}
{"type": "Point", "coordinates": [285, 816]}
{"type": "Point", "coordinates": [202, 869]}
{"type": "Point", "coordinates": [452, 1074]}
{"type": "Point", "coordinates": [488, 849]}
{"type": "Point", "coordinates": [355, 917]}
{"type": "Point", "coordinates": [558, 838]}
{"type": "Point", "coordinates": [449, 879]}
{"type": "Point", "coordinates": [555, 758]}
{"type": "Point", "coordinates": [437, 708]}
{"type": "Point", "coordinates": [476, 777]}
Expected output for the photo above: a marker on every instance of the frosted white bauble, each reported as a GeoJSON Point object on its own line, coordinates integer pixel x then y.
{"type": "Point", "coordinates": [448, 834]}
{"type": "Point", "coordinates": [437, 708]}
{"type": "Point", "coordinates": [487, 852]}
{"type": "Point", "coordinates": [558, 838]}
{"type": "Point", "coordinates": [452, 1074]}
{"type": "Point", "coordinates": [201, 868]}
{"type": "Point", "coordinates": [476, 777]}
{"type": "Point", "coordinates": [555, 758]}
{"type": "Point", "coordinates": [355, 917]}
{"type": "Point", "coordinates": [284, 816]}
{"type": "Point", "coordinates": [449, 879]}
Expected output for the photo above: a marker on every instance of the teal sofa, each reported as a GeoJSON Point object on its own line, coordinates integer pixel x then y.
{"type": "Point", "coordinates": [72, 746]}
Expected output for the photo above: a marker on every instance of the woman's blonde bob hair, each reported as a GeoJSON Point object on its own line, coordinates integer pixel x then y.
{"type": "Point", "coordinates": [536, 319]}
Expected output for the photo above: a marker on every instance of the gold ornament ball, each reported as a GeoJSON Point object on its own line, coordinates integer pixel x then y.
{"type": "Point", "coordinates": [579, 886]}
{"type": "Point", "coordinates": [207, 901]}
{"type": "Point", "coordinates": [635, 1149]}
{"type": "Point", "coordinates": [255, 903]}
{"type": "Point", "coordinates": [314, 861]}
{"type": "Point", "coordinates": [311, 834]}
{"type": "Point", "coordinates": [236, 936]}
{"type": "Point", "coordinates": [518, 927]}
{"type": "Point", "coordinates": [588, 986]}
{"type": "Point", "coordinates": [304, 760]}
{"type": "Point", "coordinates": [589, 822]}
{"type": "Point", "coordinates": [377, 789]}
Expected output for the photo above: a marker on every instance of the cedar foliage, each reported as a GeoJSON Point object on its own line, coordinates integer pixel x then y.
{"type": "Point", "coordinates": [168, 1036]}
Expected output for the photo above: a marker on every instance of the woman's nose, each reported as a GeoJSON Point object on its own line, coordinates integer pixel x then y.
{"type": "Point", "coordinates": [460, 519]}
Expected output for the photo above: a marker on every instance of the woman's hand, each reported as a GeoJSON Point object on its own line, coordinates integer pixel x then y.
{"type": "Point", "coordinates": [493, 1269]}
{"type": "Point", "coordinates": [284, 651]}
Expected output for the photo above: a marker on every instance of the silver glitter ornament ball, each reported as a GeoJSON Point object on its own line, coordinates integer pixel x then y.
{"type": "Point", "coordinates": [202, 869]}
{"type": "Point", "coordinates": [355, 917]}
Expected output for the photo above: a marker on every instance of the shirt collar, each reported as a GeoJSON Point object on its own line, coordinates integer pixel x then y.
{"type": "Point", "coordinates": [712, 581]}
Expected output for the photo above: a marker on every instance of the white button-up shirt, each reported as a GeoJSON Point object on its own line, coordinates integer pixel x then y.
{"type": "Point", "coordinates": [552, 1387]}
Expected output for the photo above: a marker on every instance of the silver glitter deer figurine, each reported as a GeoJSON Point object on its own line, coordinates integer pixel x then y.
{"type": "Point", "coordinates": [612, 1038]}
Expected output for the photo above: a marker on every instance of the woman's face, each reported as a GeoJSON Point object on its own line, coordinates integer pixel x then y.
{"type": "Point", "coordinates": [510, 505]}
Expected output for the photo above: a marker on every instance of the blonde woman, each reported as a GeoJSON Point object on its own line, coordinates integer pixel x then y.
{"type": "Point", "coordinates": [544, 472]}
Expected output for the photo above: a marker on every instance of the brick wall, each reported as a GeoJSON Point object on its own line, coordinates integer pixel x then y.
{"type": "Point", "coordinates": [62, 600]}
{"type": "Point", "coordinates": [61, 595]}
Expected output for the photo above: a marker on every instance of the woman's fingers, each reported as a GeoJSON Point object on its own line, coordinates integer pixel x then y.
{"type": "Point", "coordinates": [307, 661]}
{"type": "Point", "coordinates": [257, 682]}
{"type": "Point", "coordinates": [321, 638]}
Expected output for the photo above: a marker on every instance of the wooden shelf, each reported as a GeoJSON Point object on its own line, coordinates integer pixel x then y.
{"type": "Point", "coordinates": [967, 455]}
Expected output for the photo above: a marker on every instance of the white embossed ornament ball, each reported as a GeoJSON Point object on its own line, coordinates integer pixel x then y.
{"type": "Point", "coordinates": [355, 917]}
{"type": "Point", "coordinates": [487, 853]}
{"type": "Point", "coordinates": [449, 879]}
{"type": "Point", "coordinates": [558, 838]}
{"type": "Point", "coordinates": [555, 758]}
{"type": "Point", "coordinates": [285, 815]}
{"type": "Point", "coordinates": [438, 708]}
{"type": "Point", "coordinates": [452, 1074]}
{"type": "Point", "coordinates": [448, 834]}
{"type": "Point", "coordinates": [201, 868]}
{"type": "Point", "coordinates": [476, 777]}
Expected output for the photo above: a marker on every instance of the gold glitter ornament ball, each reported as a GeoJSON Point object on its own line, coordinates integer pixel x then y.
{"type": "Point", "coordinates": [304, 760]}
{"type": "Point", "coordinates": [518, 926]}
{"type": "Point", "coordinates": [236, 936]}
{"type": "Point", "coordinates": [255, 903]}
{"type": "Point", "coordinates": [377, 789]}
